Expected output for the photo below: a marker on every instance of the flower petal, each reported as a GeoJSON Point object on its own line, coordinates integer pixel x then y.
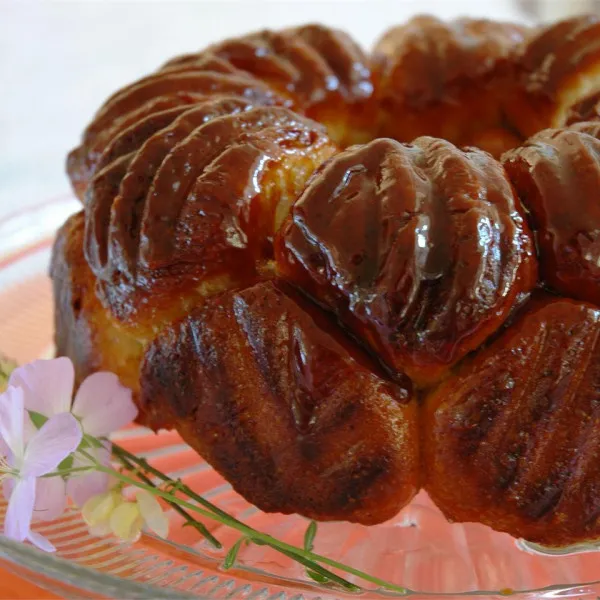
{"type": "Point", "coordinates": [29, 429]}
{"type": "Point", "coordinates": [8, 485]}
{"type": "Point", "coordinates": [40, 541]}
{"type": "Point", "coordinates": [83, 487]}
{"type": "Point", "coordinates": [126, 521]}
{"type": "Point", "coordinates": [100, 530]}
{"type": "Point", "coordinates": [48, 385]}
{"type": "Point", "coordinates": [103, 404]}
{"type": "Point", "coordinates": [58, 437]}
{"type": "Point", "coordinates": [20, 510]}
{"type": "Point", "coordinates": [50, 498]}
{"type": "Point", "coordinates": [12, 416]}
{"type": "Point", "coordinates": [97, 509]}
{"type": "Point", "coordinates": [152, 513]}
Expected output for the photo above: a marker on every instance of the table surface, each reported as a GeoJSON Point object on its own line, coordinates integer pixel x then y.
{"type": "Point", "coordinates": [14, 588]}
{"type": "Point", "coordinates": [59, 60]}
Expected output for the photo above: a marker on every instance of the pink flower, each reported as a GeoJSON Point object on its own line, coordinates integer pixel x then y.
{"type": "Point", "coordinates": [102, 405]}
{"type": "Point", "coordinates": [25, 462]}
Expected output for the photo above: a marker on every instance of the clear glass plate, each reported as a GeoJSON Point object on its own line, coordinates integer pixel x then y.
{"type": "Point", "coordinates": [418, 549]}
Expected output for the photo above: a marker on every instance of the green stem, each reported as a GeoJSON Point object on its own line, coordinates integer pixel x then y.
{"type": "Point", "coordinates": [64, 472]}
{"type": "Point", "coordinates": [254, 534]}
{"type": "Point", "coordinates": [200, 527]}
{"type": "Point", "coordinates": [144, 464]}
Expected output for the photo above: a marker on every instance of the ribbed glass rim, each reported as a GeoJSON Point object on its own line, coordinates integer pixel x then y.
{"type": "Point", "coordinates": [86, 579]}
{"type": "Point", "coordinates": [32, 228]}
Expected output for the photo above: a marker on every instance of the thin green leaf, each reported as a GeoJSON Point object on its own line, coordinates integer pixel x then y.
{"type": "Point", "coordinates": [309, 536]}
{"type": "Point", "coordinates": [37, 418]}
{"type": "Point", "coordinates": [66, 464]}
{"type": "Point", "coordinates": [200, 528]}
{"type": "Point", "coordinates": [318, 569]}
{"type": "Point", "coordinates": [7, 366]}
{"type": "Point", "coordinates": [190, 521]}
{"type": "Point", "coordinates": [317, 577]}
{"type": "Point", "coordinates": [92, 441]}
{"type": "Point", "coordinates": [232, 554]}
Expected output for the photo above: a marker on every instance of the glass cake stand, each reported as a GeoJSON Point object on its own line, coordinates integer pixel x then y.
{"type": "Point", "coordinates": [418, 549]}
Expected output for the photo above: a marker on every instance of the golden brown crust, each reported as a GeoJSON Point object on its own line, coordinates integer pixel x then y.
{"type": "Point", "coordinates": [276, 402]}
{"type": "Point", "coordinates": [513, 440]}
{"type": "Point", "coordinates": [420, 250]}
{"type": "Point", "coordinates": [447, 79]}
{"type": "Point", "coordinates": [84, 331]}
{"type": "Point", "coordinates": [557, 176]}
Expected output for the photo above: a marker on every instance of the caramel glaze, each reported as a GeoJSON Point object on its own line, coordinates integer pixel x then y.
{"type": "Point", "coordinates": [519, 428]}
{"type": "Point", "coordinates": [447, 79]}
{"type": "Point", "coordinates": [322, 70]}
{"type": "Point", "coordinates": [421, 250]}
{"type": "Point", "coordinates": [278, 404]}
{"type": "Point", "coordinates": [557, 176]}
{"type": "Point", "coordinates": [200, 198]}
{"type": "Point", "coordinates": [308, 63]}
{"type": "Point", "coordinates": [559, 76]}
{"type": "Point", "coordinates": [156, 93]}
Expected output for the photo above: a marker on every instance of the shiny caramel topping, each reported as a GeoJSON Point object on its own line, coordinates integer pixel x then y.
{"type": "Point", "coordinates": [308, 63]}
{"type": "Point", "coordinates": [560, 51]}
{"type": "Point", "coordinates": [151, 95]}
{"type": "Point", "coordinates": [276, 401]}
{"type": "Point", "coordinates": [419, 249]}
{"type": "Point", "coordinates": [558, 78]}
{"type": "Point", "coordinates": [447, 80]}
{"type": "Point", "coordinates": [203, 196]}
{"type": "Point", "coordinates": [557, 176]}
{"type": "Point", "coordinates": [152, 152]}
{"type": "Point", "coordinates": [518, 428]}
{"type": "Point", "coordinates": [419, 62]}
{"type": "Point", "coordinates": [346, 59]}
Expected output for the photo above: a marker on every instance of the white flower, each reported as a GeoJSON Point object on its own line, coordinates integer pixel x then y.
{"type": "Point", "coordinates": [25, 462]}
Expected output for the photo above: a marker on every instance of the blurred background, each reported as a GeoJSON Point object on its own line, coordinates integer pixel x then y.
{"type": "Point", "coordinates": [60, 60]}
